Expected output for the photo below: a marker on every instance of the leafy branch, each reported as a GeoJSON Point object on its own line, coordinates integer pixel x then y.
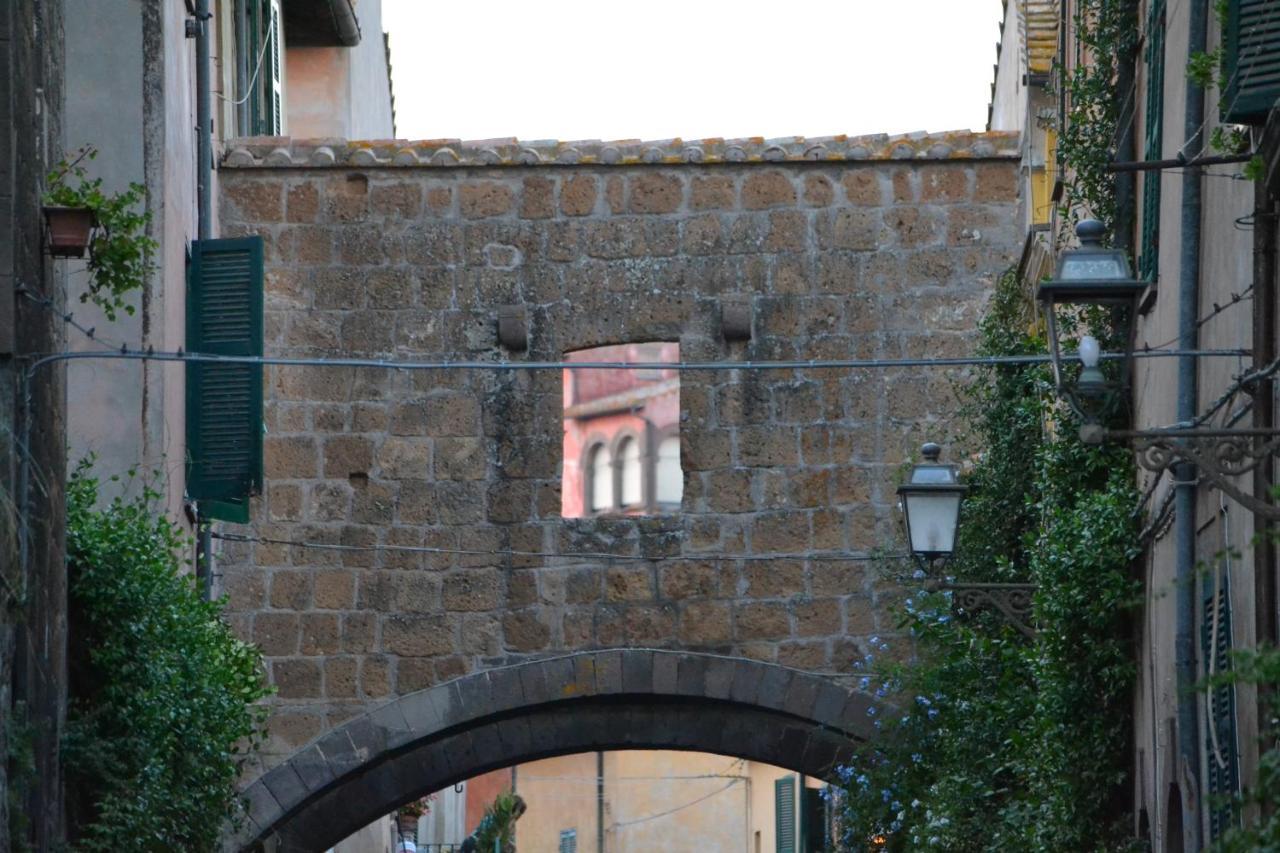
{"type": "Point", "coordinates": [120, 251]}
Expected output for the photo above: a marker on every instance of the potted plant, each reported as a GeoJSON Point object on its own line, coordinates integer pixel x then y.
{"type": "Point", "coordinates": [110, 226]}
{"type": "Point", "coordinates": [407, 816]}
{"type": "Point", "coordinates": [68, 230]}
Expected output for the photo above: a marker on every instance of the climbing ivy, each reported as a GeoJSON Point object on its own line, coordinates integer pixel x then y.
{"type": "Point", "coordinates": [1088, 124]}
{"type": "Point", "coordinates": [163, 709]}
{"type": "Point", "coordinates": [1007, 743]}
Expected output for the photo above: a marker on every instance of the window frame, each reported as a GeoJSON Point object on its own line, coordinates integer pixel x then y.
{"type": "Point", "coordinates": [620, 440]}
{"type": "Point", "coordinates": [593, 445]}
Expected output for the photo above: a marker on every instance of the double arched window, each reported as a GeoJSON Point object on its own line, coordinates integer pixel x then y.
{"type": "Point", "coordinates": [634, 474]}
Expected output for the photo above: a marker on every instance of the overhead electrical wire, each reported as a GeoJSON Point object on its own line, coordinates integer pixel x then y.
{"type": "Point", "coordinates": [586, 555]}
{"type": "Point", "coordinates": [797, 364]}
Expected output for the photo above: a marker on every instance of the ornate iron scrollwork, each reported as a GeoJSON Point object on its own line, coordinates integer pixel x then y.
{"type": "Point", "coordinates": [1013, 600]}
{"type": "Point", "coordinates": [1217, 454]}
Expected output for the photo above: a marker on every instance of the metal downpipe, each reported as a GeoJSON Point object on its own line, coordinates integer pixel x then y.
{"type": "Point", "coordinates": [1185, 474]}
{"type": "Point", "coordinates": [204, 227]}
{"type": "Point", "coordinates": [204, 124]}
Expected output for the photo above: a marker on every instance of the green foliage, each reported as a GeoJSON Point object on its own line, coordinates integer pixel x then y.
{"type": "Point", "coordinates": [1203, 67]}
{"type": "Point", "coordinates": [1010, 744]}
{"type": "Point", "coordinates": [1090, 121]}
{"type": "Point", "coordinates": [1260, 830]}
{"type": "Point", "coordinates": [163, 706]}
{"type": "Point", "coordinates": [498, 826]}
{"type": "Point", "coordinates": [120, 250]}
{"type": "Point", "coordinates": [21, 759]}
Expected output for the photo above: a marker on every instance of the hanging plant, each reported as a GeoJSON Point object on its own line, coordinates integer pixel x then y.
{"type": "Point", "coordinates": [120, 251]}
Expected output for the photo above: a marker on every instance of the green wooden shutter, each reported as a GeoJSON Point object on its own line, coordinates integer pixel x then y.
{"type": "Point", "coordinates": [1149, 250]}
{"type": "Point", "coordinates": [1222, 761]}
{"type": "Point", "coordinates": [1251, 51]}
{"type": "Point", "coordinates": [275, 92]}
{"type": "Point", "coordinates": [224, 401]}
{"type": "Point", "coordinates": [265, 45]}
{"type": "Point", "coordinates": [813, 820]}
{"type": "Point", "coordinates": [784, 813]}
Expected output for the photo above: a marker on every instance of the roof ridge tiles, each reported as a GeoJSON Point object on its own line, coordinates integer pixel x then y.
{"type": "Point", "coordinates": [284, 152]}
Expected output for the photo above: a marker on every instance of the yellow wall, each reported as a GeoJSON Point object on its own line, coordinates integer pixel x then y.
{"type": "Point", "coordinates": [654, 800]}
{"type": "Point", "coordinates": [561, 794]}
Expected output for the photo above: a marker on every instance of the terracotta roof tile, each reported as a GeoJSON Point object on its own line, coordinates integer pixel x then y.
{"type": "Point", "coordinates": [445, 153]}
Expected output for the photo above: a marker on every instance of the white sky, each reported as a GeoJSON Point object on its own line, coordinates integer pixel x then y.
{"type": "Point", "coordinates": [656, 69]}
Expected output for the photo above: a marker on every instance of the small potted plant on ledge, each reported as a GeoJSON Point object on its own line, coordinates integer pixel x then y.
{"type": "Point", "coordinates": [407, 817]}
{"type": "Point", "coordinates": [110, 226]}
{"type": "Point", "coordinates": [69, 229]}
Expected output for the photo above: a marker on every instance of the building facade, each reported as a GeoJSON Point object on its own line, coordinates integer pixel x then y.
{"type": "Point", "coordinates": [412, 540]}
{"type": "Point", "coordinates": [1204, 239]}
{"type": "Point", "coordinates": [124, 79]}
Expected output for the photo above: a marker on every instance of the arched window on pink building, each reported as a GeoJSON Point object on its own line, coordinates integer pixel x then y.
{"type": "Point", "coordinates": [600, 476]}
{"type": "Point", "coordinates": [668, 478]}
{"type": "Point", "coordinates": [632, 473]}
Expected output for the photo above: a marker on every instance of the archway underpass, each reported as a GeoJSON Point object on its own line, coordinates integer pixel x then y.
{"type": "Point", "coordinates": [586, 702]}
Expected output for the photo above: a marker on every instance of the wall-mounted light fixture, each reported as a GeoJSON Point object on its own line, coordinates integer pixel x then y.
{"type": "Point", "coordinates": [1093, 277]}
{"type": "Point", "coordinates": [931, 500]}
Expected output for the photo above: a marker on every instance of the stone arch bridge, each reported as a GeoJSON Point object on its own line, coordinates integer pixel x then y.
{"type": "Point", "coordinates": [425, 612]}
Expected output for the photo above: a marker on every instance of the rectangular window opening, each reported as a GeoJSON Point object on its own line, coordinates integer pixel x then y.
{"type": "Point", "coordinates": [622, 432]}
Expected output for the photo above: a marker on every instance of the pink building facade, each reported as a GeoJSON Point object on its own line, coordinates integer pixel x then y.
{"type": "Point", "coordinates": [622, 433]}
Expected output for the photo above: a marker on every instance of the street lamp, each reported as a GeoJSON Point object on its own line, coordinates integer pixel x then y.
{"type": "Point", "coordinates": [930, 501]}
{"type": "Point", "coordinates": [1094, 277]}
{"type": "Point", "coordinates": [1091, 276]}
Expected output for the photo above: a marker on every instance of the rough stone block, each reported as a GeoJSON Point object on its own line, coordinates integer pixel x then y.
{"type": "Point", "coordinates": [656, 192]}
{"type": "Point", "coordinates": [481, 199]}
{"type": "Point", "coordinates": [417, 635]}
{"type": "Point", "coordinates": [286, 786]}
{"type": "Point", "coordinates": [767, 189]}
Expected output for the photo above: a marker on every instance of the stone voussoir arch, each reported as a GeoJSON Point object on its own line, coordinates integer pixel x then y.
{"type": "Point", "coordinates": [607, 699]}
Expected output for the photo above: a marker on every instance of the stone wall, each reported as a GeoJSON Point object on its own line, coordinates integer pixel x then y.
{"type": "Point", "coordinates": [380, 254]}
{"type": "Point", "coordinates": [33, 595]}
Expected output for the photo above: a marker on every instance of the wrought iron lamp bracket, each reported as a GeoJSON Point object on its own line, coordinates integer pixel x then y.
{"type": "Point", "coordinates": [1219, 455]}
{"type": "Point", "coordinates": [1012, 600]}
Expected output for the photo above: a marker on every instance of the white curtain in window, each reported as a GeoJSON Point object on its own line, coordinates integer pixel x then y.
{"type": "Point", "coordinates": [600, 470]}
{"type": "Point", "coordinates": [632, 491]}
{"type": "Point", "coordinates": [669, 477]}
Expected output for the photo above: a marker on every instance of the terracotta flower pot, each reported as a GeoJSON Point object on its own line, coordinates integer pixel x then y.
{"type": "Point", "coordinates": [69, 229]}
{"type": "Point", "coordinates": [408, 825]}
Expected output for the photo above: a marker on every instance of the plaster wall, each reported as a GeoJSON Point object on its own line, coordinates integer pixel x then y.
{"type": "Point", "coordinates": [105, 109]}
{"type": "Point", "coordinates": [1226, 269]}
{"type": "Point", "coordinates": [135, 105]}
{"type": "Point", "coordinates": [338, 91]}
{"type": "Point", "coordinates": [1009, 96]}
{"type": "Point", "coordinates": [371, 114]}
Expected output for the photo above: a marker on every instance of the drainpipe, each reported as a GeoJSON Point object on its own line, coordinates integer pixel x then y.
{"type": "Point", "coordinates": [204, 124]}
{"type": "Point", "coordinates": [1185, 473]}
{"type": "Point", "coordinates": [599, 802]}
{"type": "Point", "coordinates": [1264, 352]}
{"type": "Point", "coordinates": [204, 221]}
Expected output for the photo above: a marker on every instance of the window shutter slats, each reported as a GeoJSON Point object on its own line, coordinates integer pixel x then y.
{"type": "Point", "coordinates": [784, 811]}
{"type": "Point", "coordinates": [1252, 67]}
{"type": "Point", "coordinates": [224, 401]}
{"type": "Point", "coordinates": [1221, 765]}
{"type": "Point", "coordinates": [277, 87]}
